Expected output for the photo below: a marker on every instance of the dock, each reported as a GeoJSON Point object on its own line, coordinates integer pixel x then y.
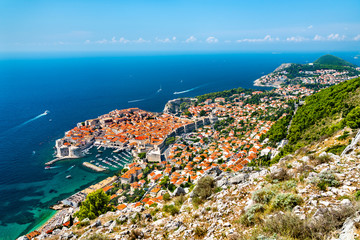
{"type": "Point", "coordinates": [93, 167]}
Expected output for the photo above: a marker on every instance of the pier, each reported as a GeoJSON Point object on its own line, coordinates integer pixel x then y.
{"type": "Point", "coordinates": [93, 167]}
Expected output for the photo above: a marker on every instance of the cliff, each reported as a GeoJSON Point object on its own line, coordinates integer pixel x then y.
{"type": "Point", "coordinates": [174, 106]}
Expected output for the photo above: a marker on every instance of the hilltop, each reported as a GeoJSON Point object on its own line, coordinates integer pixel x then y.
{"type": "Point", "coordinates": [325, 71]}
{"type": "Point", "coordinates": [331, 60]}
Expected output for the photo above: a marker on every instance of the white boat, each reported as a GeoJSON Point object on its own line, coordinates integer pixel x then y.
{"type": "Point", "coordinates": [68, 176]}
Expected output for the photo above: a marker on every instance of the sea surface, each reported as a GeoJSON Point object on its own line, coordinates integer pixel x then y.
{"type": "Point", "coordinates": [75, 88]}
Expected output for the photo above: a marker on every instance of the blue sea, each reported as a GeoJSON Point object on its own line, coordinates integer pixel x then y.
{"type": "Point", "coordinates": [76, 87]}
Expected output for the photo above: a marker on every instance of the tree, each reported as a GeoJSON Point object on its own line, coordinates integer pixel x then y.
{"type": "Point", "coordinates": [202, 113]}
{"type": "Point", "coordinates": [353, 118]}
{"type": "Point", "coordinates": [95, 204]}
{"type": "Point", "coordinates": [142, 155]}
{"type": "Point", "coordinates": [164, 181]}
{"type": "Point", "coordinates": [204, 187]}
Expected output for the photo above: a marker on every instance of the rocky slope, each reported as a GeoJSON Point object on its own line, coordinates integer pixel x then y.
{"type": "Point", "coordinates": [310, 194]}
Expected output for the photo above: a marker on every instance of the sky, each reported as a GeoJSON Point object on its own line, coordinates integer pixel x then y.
{"type": "Point", "coordinates": [179, 25]}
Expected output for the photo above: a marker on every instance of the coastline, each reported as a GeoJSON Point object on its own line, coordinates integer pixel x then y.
{"type": "Point", "coordinates": [258, 84]}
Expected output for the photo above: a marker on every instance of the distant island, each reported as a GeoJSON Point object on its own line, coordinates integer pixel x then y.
{"type": "Point", "coordinates": [326, 71]}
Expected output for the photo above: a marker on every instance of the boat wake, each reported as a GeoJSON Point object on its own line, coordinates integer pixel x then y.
{"type": "Point", "coordinates": [70, 168]}
{"type": "Point", "coordinates": [33, 119]}
{"type": "Point", "coordinates": [144, 99]}
{"type": "Point", "coordinates": [11, 130]}
{"type": "Point", "coordinates": [137, 100]}
{"type": "Point", "coordinates": [188, 90]}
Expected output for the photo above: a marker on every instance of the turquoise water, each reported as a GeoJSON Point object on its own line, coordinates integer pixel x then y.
{"type": "Point", "coordinates": [76, 88]}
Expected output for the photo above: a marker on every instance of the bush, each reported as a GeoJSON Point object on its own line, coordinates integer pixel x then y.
{"type": "Point", "coordinates": [286, 201]}
{"type": "Point", "coordinates": [95, 204]}
{"type": "Point", "coordinates": [200, 231]}
{"type": "Point", "coordinates": [204, 188]}
{"type": "Point", "coordinates": [263, 195]}
{"type": "Point", "coordinates": [353, 118]}
{"type": "Point", "coordinates": [357, 195]}
{"type": "Point", "coordinates": [171, 209]}
{"type": "Point", "coordinates": [196, 201]}
{"type": "Point", "coordinates": [83, 224]}
{"type": "Point", "coordinates": [251, 216]}
{"type": "Point", "coordinates": [337, 149]}
{"type": "Point", "coordinates": [98, 237]}
{"type": "Point", "coordinates": [166, 197]}
{"type": "Point", "coordinates": [291, 226]}
{"type": "Point", "coordinates": [326, 179]}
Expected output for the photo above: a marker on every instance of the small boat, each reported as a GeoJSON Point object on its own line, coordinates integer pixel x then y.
{"type": "Point", "coordinates": [47, 167]}
{"type": "Point", "coordinates": [68, 176]}
{"type": "Point", "coordinates": [46, 112]}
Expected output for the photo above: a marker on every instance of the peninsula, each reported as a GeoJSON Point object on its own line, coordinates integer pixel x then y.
{"type": "Point", "coordinates": [325, 71]}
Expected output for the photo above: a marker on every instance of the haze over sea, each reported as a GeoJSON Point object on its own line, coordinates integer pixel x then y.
{"type": "Point", "coordinates": [74, 89]}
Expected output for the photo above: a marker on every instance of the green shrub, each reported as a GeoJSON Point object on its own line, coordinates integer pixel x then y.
{"type": "Point", "coordinates": [200, 231]}
{"type": "Point", "coordinates": [357, 195]}
{"type": "Point", "coordinates": [83, 224]}
{"type": "Point", "coordinates": [171, 209]}
{"type": "Point", "coordinates": [286, 201]}
{"type": "Point", "coordinates": [326, 179]}
{"type": "Point", "coordinates": [166, 197]}
{"type": "Point", "coordinates": [337, 149]}
{"type": "Point", "coordinates": [251, 216]}
{"type": "Point", "coordinates": [353, 118]}
{"type": "Point", "coordinates": [263, 195]}
{"type": "Point", "coordinates": [196, 201]}
{"type": "Point", "coordinates": [98, 237]}
{"type": "Point", "coordinates": [204, 188]}
{"type": "Point", "coordinates": [291, 226]}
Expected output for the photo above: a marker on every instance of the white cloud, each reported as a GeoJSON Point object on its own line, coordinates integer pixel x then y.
{"type": "Point", "coordinates": [296, 39]}
{"type": "Point", "coordinates": [310, 27]}
{"type": "Point", "coordinates": [267, 38]}
{"type": "Point", "coordinates": [113, 40]}
{"type": "Point", "coordinates": [318, 38]}
{"type": "Point", "coordinates": [102, 41]}
{"type": "Point", "coordinates": [212, 40]}
{"type": "Point", "coordinates": [123, 40]}
{"type": "Point", "coordinates": [87, 41]}
{"type": "Point", "coordinates": [166, 40]}
{"type": "Point", "coordinates": [191, 39]}
{"type": "Point", "coordinates": [357, 37]}
{"type": "Point", "coordinates": [336, 36]}
{"type": "Point", "coordinates": [141, 40]}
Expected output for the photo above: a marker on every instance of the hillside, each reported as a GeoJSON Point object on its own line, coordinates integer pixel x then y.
{"type": "Point", "coordinates": [331, 60]}
{"type": "Point", "coordinates": [324, 113]}
{"type": "Point", "coordinates": [309, 195]}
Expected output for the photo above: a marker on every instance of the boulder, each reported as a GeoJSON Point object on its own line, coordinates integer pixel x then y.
{"type": "Point", "coordinates": [97, 223]}
{"type": "Point", "coordinates": [222, 182]}
{"type": "Point", "coordinates": [240, 178]}
{"type": "Point", "coordinates": [108, 223]}
{"type": "Point", "coordinates": [279, 174]}
{"type": "Point", "coordinates": [213, 172]}
{"type": "Point", "coordinates": [348, 230]}
{"type": "Point", "coordinates": [179, 191]}
{"type": "Point", "coordinates": [22, 238]}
